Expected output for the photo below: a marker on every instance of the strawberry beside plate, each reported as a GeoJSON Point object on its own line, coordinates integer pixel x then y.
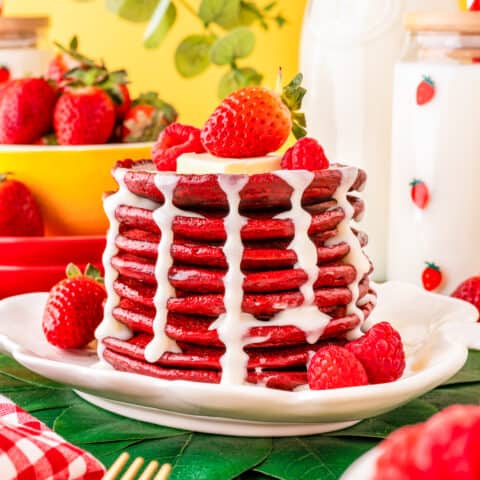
{"type": "Point", "coordinates": [435, 331]}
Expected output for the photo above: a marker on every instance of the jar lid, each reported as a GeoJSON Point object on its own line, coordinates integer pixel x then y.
{"type": "Point", "coordinates": [22, 24]}
{"type": "Point", "coordinates": [443, 21]}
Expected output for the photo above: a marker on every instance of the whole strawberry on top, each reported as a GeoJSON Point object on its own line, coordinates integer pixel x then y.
{"type": "Point", "coordinates": [20, 215]}
{"type": "Point", "coordinates": [26, 108]}
{"type": "Point", "coordinates": [255, 121]}
{"type": "Point", "coordinates": [74, 308]}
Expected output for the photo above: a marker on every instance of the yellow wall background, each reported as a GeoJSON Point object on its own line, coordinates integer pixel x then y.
{"type": "Point", "coordinates": [119, 43]}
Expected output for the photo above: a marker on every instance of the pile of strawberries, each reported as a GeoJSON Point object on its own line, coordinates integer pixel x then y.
{"type": "Point", "coordinates": [79, 102]}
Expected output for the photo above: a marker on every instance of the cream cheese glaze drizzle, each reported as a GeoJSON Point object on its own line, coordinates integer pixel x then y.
{"type": "Point", "coordinates": [110, 326]}
{"type": "Point", "coordinates": [356, 255]}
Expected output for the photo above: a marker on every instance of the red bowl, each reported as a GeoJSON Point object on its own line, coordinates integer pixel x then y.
{"type": "Point", "coordinates": [15, 251]}
{"type": "Point", "coordinates": [15, 280]}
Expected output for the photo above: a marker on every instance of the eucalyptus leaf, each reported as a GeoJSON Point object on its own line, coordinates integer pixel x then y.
{"type": "Point", "coordinates": [239, 454]}
{"type": "Point", "coordinates": [238, 43]}
{"type": "Point", "coordinates": [161, 22]}
{"type": "Point", "coordinates": [192, 56]}
{"type": "Point", "coordinates": [318, 457]}
{"type": "Point", "coordinates": [238, 78]}
{"type": "Point", "coordinates": [222, 12]}
{"type": "Point", "coordinates": [84, 423]}
{"type": "Point", "coordinates": [133, 10]}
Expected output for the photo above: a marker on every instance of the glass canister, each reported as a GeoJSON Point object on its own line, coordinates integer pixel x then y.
{"type": "Point", "coordinates": [349, 49]}
{"type": "Point", "coordinates": [22, 45]}
{"type": "Point", "coordinates": [435, 184]}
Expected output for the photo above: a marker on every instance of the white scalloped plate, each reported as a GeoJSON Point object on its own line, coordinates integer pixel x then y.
{"type": "Point", "coordinates": [436, 330]}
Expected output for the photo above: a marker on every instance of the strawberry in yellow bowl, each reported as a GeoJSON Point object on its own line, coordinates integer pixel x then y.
{"type": "Point", "coordinates": [60, 135]}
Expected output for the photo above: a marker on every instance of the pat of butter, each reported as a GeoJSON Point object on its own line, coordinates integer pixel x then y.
{"type": "Point", "coordinates": [203, 163]}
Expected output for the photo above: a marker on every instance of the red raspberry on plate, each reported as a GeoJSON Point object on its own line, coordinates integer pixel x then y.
{"type": "Point", "coordinates": [306, 154]}
{"type": "Point", "coordinates": [396, 461]}
{"type": "Point", "coordinates": [381, 353]}
{"type": "Point", "coordinates": [174, 141]}
{"type": "Point", "coordinates": [74, 308]}
{"type": "Point", "coordinates": [469, 291]}
{"type": "Point", "coordinates": [335, 367]}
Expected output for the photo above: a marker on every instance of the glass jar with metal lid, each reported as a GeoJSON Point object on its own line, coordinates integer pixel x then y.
{"type": "Point", "coordinates": [22, 45]}
{"type": "Point", "coordinates": [435, 185]}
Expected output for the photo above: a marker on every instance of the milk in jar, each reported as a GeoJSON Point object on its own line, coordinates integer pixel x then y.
{"type": "Point", "coordinates": [435, 182]}
{"type": "Point", "coordinates": [349, 48]}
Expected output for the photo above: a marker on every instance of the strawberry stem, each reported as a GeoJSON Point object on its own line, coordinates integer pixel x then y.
{"type": "Point", "coordinates": [433, 266]}
{"type": "Point", "coordinates": [4, 176]}
{"type": "Point", "coordinates": [93, 272]}
{"type": "Point", "coordinates": [73, 271]}
{"type": "Point", "coordinates": [415, 182]}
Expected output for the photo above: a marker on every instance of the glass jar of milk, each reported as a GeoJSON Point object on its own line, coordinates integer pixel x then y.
{"type": "Point", "coordinates": [22, 48]}
{"type": "Point", "coordinates": [435, 185]}
{"type": "Point", "coordinates": [349, 49]}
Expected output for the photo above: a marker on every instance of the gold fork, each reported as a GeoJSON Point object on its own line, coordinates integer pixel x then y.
{"type": "Point", "coordinates": [115, 470]}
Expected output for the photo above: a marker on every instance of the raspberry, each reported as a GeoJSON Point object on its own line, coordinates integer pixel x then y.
{"type": "Point", "coordinates": [306, 154]}
{"type": "Point", "coordinates": [174, 141]}
{"type": "Point", "coordinates": [381, 353]}
{"type": "Point", "coordinates": [469, 291]}
{"type": "Point", "coordinates": [396, 460]}
{"type": "Point", "coordinates": [335, 367]}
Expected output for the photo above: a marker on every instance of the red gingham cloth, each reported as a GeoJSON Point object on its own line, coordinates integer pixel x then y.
{"type": "Point", "coordinates": [31, 451]}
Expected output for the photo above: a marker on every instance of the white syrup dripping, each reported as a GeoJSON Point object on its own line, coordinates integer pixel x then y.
{"type": "Point", "coordinates": [231, 326]}
{"type": "Point", "coordinates": [109, 326]}
{"type": "Point", "coordinates": [356, 256]}
{"type": "Point", "coordinates": [163, 217]}
{"type": "Point", "coordinates": [301, 244]}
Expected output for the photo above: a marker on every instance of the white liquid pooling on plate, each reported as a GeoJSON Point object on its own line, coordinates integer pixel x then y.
{"type": "Point", "coordinates": [356, 255]}
{"type": "Point", "coordinates": [109, 326]}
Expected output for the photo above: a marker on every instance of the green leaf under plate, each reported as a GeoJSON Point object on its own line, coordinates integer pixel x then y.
{"type": "Point", "coordinates": [470, 373]}
{"type": "Point", "coordinates": [84, 423]}
{"type": "Point", "coordinates": [162, 21]}
{"type": "Point", "coordinates": [164, 450]}
{"type": "Point", "coordinates": [380, 427]}
{"type": "Point", "coordinates": [241, 454]}
{"type": "Point", "coordinates": [222, 12]}
{"type": "Point", "coordinates": [133, 10]}
{"type": "Point", "coordinates": [9, 367]}
{"type": "Point", "coordinates": [238, 43]}
{"type": "Point", "coordinates": [192, 56]}
{"type": "Point", "coordinates": [238, 78]}
{"type": "Point", "coordinates": [307, 458]}
{"type": "Point", "coordinates": [43, 398]}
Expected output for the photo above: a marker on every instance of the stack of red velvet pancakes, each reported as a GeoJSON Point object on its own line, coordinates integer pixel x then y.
{"type": "Point", "coordinates": [272, 277]}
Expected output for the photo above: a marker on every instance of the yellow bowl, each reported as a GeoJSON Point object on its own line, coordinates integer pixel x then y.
{"type": "Point", "coordinates": [68, 182]}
